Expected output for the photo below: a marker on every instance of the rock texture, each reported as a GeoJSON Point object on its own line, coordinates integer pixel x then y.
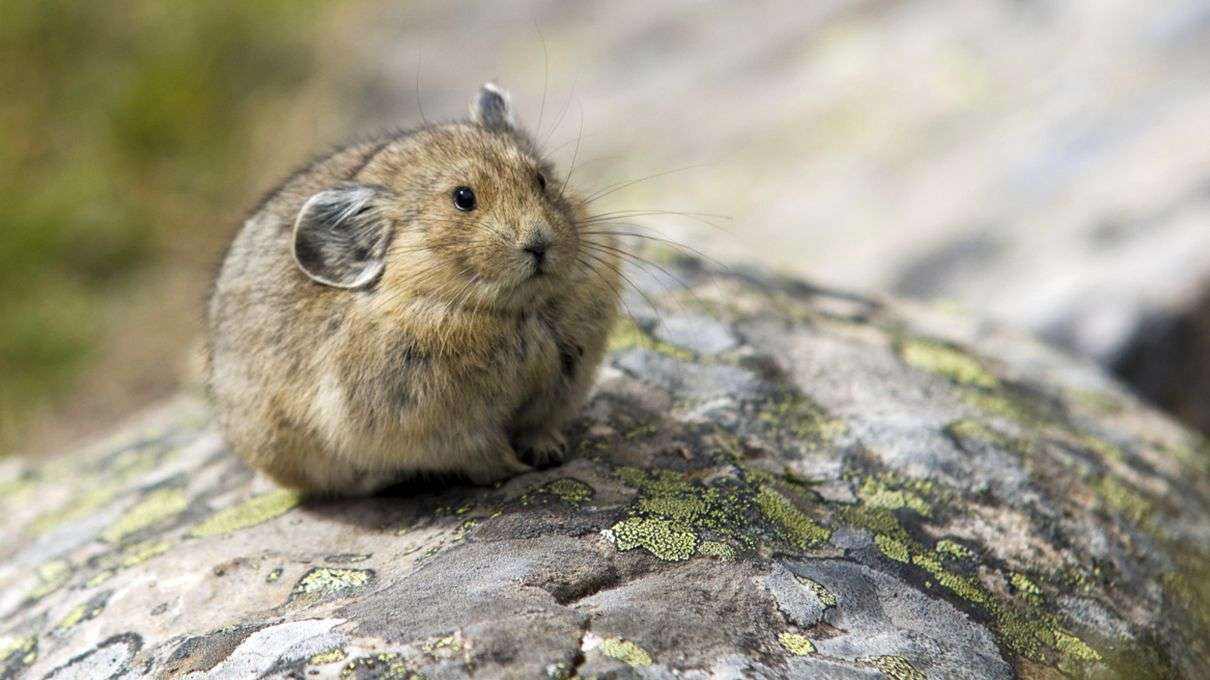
{"type": "Point", "coordinates": [771, 481]}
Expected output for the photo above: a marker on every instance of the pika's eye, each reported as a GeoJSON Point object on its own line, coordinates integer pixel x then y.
{"type": "Point", "coordinates": [464, 199]}
{"type": "Point", "coordinates": [541, 182]}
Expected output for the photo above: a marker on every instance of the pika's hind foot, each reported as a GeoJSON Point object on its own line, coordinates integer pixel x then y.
{"type": "Point", "coordinates": [498, 469]}
{"type": "Point", "coordinates": [543, 450]}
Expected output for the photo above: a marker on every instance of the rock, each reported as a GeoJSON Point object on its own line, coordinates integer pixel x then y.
{"type": "Point", "coordinates": [812, 484]}
{"type": "Point", "coordinates": [1168, 361]}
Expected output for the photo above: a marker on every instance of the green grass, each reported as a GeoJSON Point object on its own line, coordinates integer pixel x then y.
{"type": "Point", "coordinates": [124, 129]}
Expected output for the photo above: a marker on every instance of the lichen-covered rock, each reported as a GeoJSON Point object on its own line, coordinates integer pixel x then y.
{"type": "Point", "coordinates": [770, 481]}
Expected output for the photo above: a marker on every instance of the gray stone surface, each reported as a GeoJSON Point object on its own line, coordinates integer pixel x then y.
{"type": "Point", "coordinates": [815, 485]}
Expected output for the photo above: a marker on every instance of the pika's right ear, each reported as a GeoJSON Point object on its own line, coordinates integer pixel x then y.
{"type": "Point", "coordinates": [340, 237]}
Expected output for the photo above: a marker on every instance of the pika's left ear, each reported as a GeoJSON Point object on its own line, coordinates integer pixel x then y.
{"type": "Point", "coordinates": [490, 108]}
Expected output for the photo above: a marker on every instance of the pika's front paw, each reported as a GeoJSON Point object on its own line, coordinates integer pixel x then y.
{"type": "Point", "coordinates": [543, 450]}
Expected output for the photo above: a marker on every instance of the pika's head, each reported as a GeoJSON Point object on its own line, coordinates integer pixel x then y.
{"type": "Point", "coordinates": [465, 212]}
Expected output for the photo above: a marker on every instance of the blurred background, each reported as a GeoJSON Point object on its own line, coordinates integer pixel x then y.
{"type": "Point", "coordinates": [1042, 163]}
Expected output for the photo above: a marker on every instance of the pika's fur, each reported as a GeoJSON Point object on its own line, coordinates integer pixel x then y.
{"type": "Point", "coordinates": [372, 320]}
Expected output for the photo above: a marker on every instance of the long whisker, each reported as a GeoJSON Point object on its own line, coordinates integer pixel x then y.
{"type": "Point", "coordinates": [572, 167]}
{"type": "Point", "coordinates": [637, 259]}
{"type": "Point", "coordinates": [618, 270]}
{"type": "Point", "coordinates": [675, 244]}
{"type": "Point", "coordinates": [602, 193]}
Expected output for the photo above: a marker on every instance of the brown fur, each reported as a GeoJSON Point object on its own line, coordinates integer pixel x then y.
{"type": "Point", "coordinates": [455, 359]}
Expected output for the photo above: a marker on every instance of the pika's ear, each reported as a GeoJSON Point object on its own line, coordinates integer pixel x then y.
{"type": "Point", "coordinates": [341, 236]}
{"type": "Point", "coordinates": [490, 108]}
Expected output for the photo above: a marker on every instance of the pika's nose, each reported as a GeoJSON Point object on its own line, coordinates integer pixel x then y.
{"type": "Point", "coordinates": [537, 248]}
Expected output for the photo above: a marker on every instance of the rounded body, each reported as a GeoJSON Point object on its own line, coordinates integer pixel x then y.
{"type": "Point", "coordinates": [439, 364]}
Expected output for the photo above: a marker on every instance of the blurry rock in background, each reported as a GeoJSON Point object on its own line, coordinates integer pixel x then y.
{"type": "Point", "coordinates": [1040, 163]}
{"type": "Point", "coordinates": [1169, 362]}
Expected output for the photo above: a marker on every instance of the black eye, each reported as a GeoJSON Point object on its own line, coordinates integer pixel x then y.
{"type": "Point", "coordinates": [541, 182]}
{"type": "Point", "coordinates": [464, 199]}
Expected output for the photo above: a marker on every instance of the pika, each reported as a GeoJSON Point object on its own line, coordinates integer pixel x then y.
{"type": "Point", "coordinates": [427, 301]}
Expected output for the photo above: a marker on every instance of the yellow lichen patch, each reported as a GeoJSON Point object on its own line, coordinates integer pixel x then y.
{"type": "Point", "coordinates": [328, 656]}
{"type": "Point", "coordinates": [81, 613]}
{"type": "Point", "coordinates": [330, 581]}
{"type": "Point", "coordinates": [1106, 450]}
{"type": "Point", "coordinates": [796, 644]}
{"type": "Point", "coordinates": [158, 506]}
{"type": "Point", "coordinates": [51, 577]}
{"type": "Point", "coordinates": [894, 667]}
{"type": "Point", "coordinates": [969, 429]}
{"type": "Point", "coordinates": [248, 514]}
{"type": "Point", "coordinates": [386, 666]}
{"type": "Point", "coordinates": [444, 646]}
{"type": "Point", "coordinates": [892, 547]}
{"type": "Point", "coordinates": [141, 552]}
{"type": "Point", "coordinates": [665, 539]}
{"type": "Point", "coordinates": [963, 586]}
{"type": "Point", "coordinates": [952, 549]}
{"type": "Point", "coordinates": [21, 650]}
{"type": "Point", "coordinates": [1123, 499]}
{"type": "Point", "coordinates": [796, 527]}
{"type": "Point", "coordinates": [946, 361]}
{"type": "Point", "coordinates": [878, 494]}
{"type": "Point", "coordinates": [1026, 587]}
{"type": "Point", "coordinates": [627, 335]}
{"type": "Point", "coordinates": [568, 489]}
{"type": "Point", "coordinates": [716, 549]}
{"type": "Point", "coordinates": [794, 413]}
{"type": "Point", "coordinates": [625, 651]}
{"type": "Point", "coordinates": [824, 595]}
{"type": "Point", "coordinates": [1073, 647]}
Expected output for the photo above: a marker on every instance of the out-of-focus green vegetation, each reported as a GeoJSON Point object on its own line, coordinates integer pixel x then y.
{"type": "Point", "coordinates": [125, 129]}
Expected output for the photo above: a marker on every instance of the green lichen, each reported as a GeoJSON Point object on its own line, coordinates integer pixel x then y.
{"type": "Point", "coordinates": [894, 667]}
{"type": "Point", "coordinates": [17, 653]}
{"type": "Point", "coordinates": [952, 549]}
{"type": "Point", "coordinates": [892, 548]}
{"type": "Point", "coordinates": [954, 364]}
{"type": "Point", "coordinates": [158, 506]}
{"type": "Point", "coordinates": [333, 655]}
{"type": "Point", "coordinates": [274, 575]}
{"type": "Point", "coordinates": [824, 595]}
{"type": "Point", "coordinates": [247, 514]}
{"type": "Point", "coordinates": [568, 489]}
{"type": "Point", "coordinates": [969, 430]}
{"type": "Point", "coordinates": [716, 549]}
{"type": "Point", "coordinates": [791, 412]}
{"type": "Point", "coordinates": [1123, 499]}
{"type": "Point", "coordinates": [1026, 587]}
{"type": "Point", "coordinates": [879, 494]}
{"type": "Point", "coordinates": [385, 666]}
{"type": "Point", "coordinates": [626, 335]}
{"type": "Point", "coordinates": [1073, 647]}
{"type": "Point", "coordinates": [82, 612]}
{"type": "Point", "coordinates": [667, 540]}
{"type": "Point", "coordinates": [796, 643]}
{"type": "Point", "coordinates": [796, 527]}
{"type": "Point", "coordinates": [1107, 451]}
{"type": "Point", "coordinates": [141, 552]}
{"type": "Point", "coordinates": [325, 582]}
{"type": "Point", "coordinates": [625, 651]}
{"type": "Point", "coordinates": [51, 577]}
{"type": "Point", "coordinates": [443, 646]}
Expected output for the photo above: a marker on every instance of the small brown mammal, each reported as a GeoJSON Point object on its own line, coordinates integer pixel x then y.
{"type": "Point", "coordinates": [424, 302]}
